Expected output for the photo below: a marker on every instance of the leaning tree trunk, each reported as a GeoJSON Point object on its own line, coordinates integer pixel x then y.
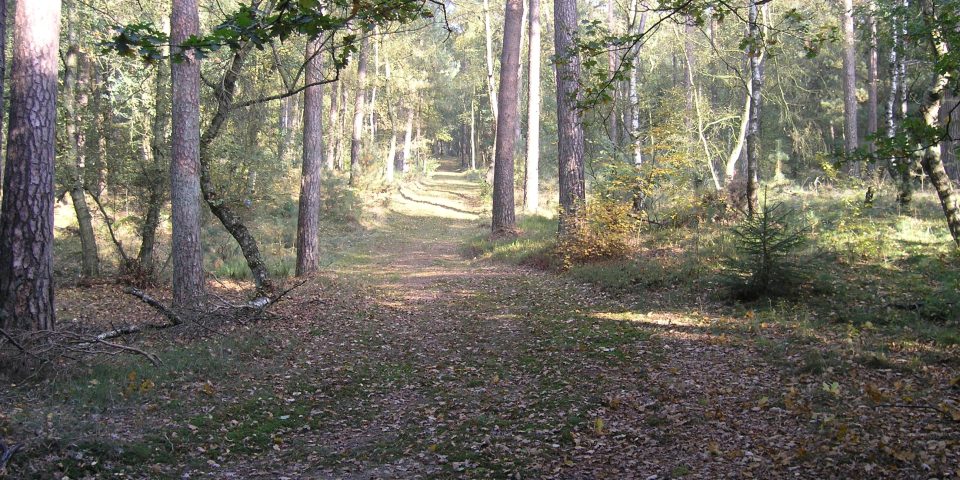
{"type": "Point", "coordinates": [358, 103]}
{"type": "Point", "coordinates": [504, 220]}
{"type": "Point", "coordinates": [26, 213]}
{"type": "Point", "coordinates": [569, 123]}
{"type": "Point", "coordinates": [531, 184]}
{"type": "Point", "coordinates": [930, 113]}
{"type": "Point", "coordinates": [188, 282]}
{"type": "Point", "coordinates": [90, 257]}
{"type": "Point", "coordinates": [851, 142]}
{"type": "Point", "coordinates": [753, 131]}
{"type": "Point", "coordinates": [219, 206]}
{"type": "Point", "coordinates": [308, 219]}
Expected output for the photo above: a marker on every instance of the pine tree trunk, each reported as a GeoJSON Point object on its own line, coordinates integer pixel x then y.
{"type": "Point", "coordinates": [26, 213]}
{"type": "Point", "coordinates": [358, 103]}
{"type": "Point", "coordinates": [531, 184]}
{"type": "Point", "coordinates": [504, 209]}
{"type": "Point", "coordinates": [188, 282]}
{"type": "Point", "coordinates": [308, 219]}
{"type": "Point", "coordinates": [569, 123]}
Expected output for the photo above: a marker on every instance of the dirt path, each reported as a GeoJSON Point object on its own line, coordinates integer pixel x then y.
{"type": "Point", "coordinates": [411, 361]}
{"type": "Point", "coordinates": [487, 370]}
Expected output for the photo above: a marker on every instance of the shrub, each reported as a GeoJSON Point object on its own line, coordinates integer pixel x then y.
{"type": "Point", "coordinates": [764, 263]}
{"type": "Point", "coordinates": [601, 230]}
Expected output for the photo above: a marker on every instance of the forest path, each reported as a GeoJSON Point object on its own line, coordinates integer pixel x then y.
{"type": "Point", "coordinates": [405, 359]}
{"type": "Point", "coordinates": [429, 364]}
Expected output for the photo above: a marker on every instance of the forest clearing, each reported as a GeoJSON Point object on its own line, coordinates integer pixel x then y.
{"type": "Point", "coordinates": [451, 239]}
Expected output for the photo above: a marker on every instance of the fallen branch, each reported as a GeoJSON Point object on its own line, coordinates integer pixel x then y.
{"type": "Point", "coordinates": [170, 314]}
{"type": "Point", "coordinates": [6, 453]}
{"type": "Point", "coordinates": [13, 341]}
{"type": "Point", "coordinates": [155, 360]}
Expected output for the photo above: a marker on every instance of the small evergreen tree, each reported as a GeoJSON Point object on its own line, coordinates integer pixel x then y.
{"type": "Point", "coordinates": [764, 263]}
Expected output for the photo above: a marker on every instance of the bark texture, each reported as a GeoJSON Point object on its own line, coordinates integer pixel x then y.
{"type": "Point", "coordinates": [187, 252]}
{"type": "Point", "coordinates": [3, 76]}
{"type": "Point", "coordinates": [504, 220]}
{"type": "Point", "coordinates": [569, 122]}
{"type": "Point", "coordinates": [308, 219]}
{"type": "Point", "coordinates": [26, 213]}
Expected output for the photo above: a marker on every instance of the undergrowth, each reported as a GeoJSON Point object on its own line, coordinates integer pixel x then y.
{"type": "Point", "coordinates": [872, 265]}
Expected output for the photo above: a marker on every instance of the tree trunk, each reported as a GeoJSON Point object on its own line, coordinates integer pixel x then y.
{"type": "Point", "coordinates": [504, 210]}
{"type": "Point", "coordinates": [473, 132]}
{"type": "Point", "coordinates": [407, 141]}
{"type": "Point", "coordinates": [851, 141]}
{"type": "Point", "coordinates": [569, 123]}
{"type": "Point", "coordinates": [334, 137]}
{"type": "Point", "coordinates": [3, 72]}
{"type": "Point", "coordinates": [906, 166]}
{"type": "Point", "coordinates": [158, 154]}
{"type": "Point", "coordinates": [391, 159]}
{"type": "Point", "coordinates": [930, 113]}
{"type": "Point", "coordinates": [188, 282]}
{"type": "Point", "coordinates": [26, 213]}
{"type": "Point", "coordinates": [76, 160]}
{"type": "Point", "coordinates": [358, 103]}
{"type": "Point", "coordinates": [731, 168]}
{"type": "Point", "coordinates": [612, 124]}
{"type": "Point", "coordinates": [531, 185]}
{"type": "Point", "coordinates": [753, 131]}
{"type": "Point", "coordinates": [634, 96]}
{"type": "Point", "coordinates": [872, 80]}
{"type": "Point", "coordinates": [690, 59]}
{"type": "Point", "coordinates": [372, 104]}
{"type": "Point", "coordinates": [894, 60]}
{"type": "Point", "coordinates": [308, 219]}
{"type": "Point", "coordinates": [491, 86]}
{"type": "Point", "coordinates": [224, 93]}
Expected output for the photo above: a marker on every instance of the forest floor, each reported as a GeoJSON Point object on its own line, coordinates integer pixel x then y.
{"type": "Point", "coordinates": [405, 359]}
